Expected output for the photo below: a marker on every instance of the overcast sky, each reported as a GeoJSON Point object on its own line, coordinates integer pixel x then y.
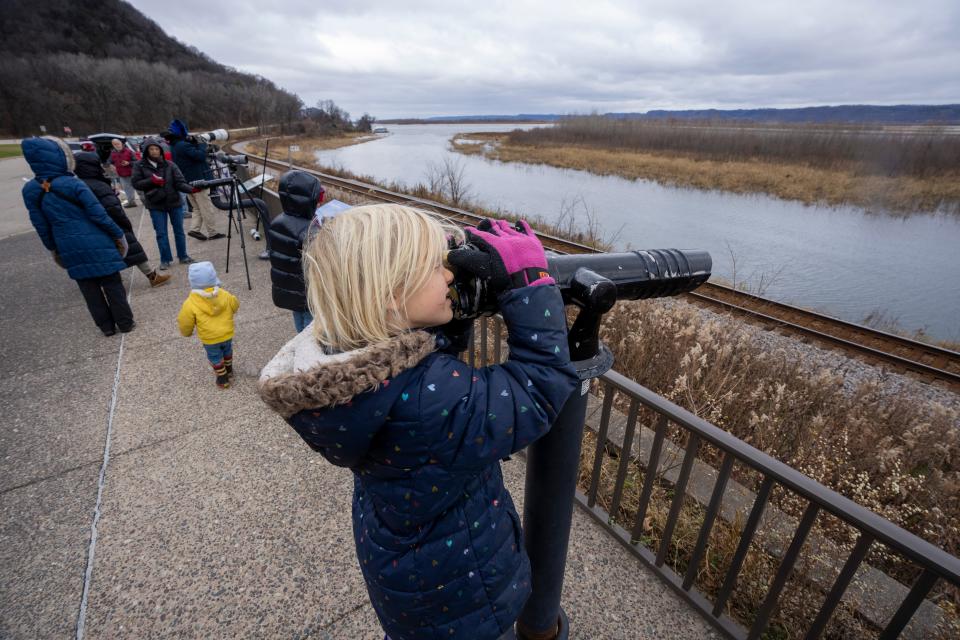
{"type": "Point", "coordinates": [444, 57]}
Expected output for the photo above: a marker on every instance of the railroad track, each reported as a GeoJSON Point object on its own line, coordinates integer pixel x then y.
{"type": "Point", "coordinates": [927, 362]}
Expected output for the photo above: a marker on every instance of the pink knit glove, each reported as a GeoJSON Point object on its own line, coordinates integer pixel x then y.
{"type": "Point", "coordinates": [516, 255]}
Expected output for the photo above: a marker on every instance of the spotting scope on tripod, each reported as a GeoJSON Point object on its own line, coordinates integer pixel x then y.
{"type": "Point", "coordinates": [238, 198]}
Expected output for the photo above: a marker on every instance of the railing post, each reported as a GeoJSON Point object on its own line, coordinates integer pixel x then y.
{"type": "Point", "coordinates": [552, 468]}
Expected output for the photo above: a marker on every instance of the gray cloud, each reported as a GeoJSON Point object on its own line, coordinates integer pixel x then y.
{"type": "Point", "coordinates": [432, 57]}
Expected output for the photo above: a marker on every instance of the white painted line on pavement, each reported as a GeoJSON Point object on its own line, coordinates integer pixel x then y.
{"type": "Point", "coordinates": [91, 550]}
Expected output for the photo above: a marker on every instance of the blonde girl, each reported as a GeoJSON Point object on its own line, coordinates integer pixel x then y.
{"type": "Point", "coordinates": [376, 387]}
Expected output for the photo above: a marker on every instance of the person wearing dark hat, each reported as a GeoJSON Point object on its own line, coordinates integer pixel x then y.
{"type": "Point", "coordinates": [190, 155]}
{"type": "Point", "coordinates": [91, 172]}
{"type": "Point", "coordinates": [300, 195]}
{"type": "Point", "coordinates": [74, 227]}
{"type": "Point", "coordinates": [162, 183]}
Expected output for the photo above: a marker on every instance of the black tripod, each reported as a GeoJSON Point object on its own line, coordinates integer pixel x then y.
{"type": "Point", "coordinates": [235, 203]}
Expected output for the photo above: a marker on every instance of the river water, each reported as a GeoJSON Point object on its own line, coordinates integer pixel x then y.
{"type": "Point", "coordinates": [842, 261]}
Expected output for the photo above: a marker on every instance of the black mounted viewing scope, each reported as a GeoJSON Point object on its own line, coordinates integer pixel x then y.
{"type": "Point", "coordinates": [595, 281]}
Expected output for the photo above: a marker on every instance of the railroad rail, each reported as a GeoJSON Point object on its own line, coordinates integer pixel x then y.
{"type": "Point", "coordinates": [927, 362]}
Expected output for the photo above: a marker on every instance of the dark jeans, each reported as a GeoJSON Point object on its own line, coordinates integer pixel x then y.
{"type": "Point", "coordinates": [159, 219]}
{"type": "Point", "coordinates": [301, 319]}
{"type": "Point", "coordinates": [107, 301]}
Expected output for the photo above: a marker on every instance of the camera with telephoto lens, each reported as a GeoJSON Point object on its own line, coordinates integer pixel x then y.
{"type": "Point", "coordinates": [653, 273]}
{"type": "Point", "coordinates": [216, 134]}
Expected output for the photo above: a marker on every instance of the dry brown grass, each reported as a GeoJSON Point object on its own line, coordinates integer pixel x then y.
{"type": "Point", "coordinates": [894, 454]}
{"type": "Point", "coordinates": [791, 181]}
{"type": "Point", "coordinates": [800, 600]}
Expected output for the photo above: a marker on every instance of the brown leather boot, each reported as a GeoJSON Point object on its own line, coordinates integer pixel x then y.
{"type": "Point", "coordinates": [157, 279]}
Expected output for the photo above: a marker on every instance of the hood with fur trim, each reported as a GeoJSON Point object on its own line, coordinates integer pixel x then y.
{"type": "Point", "coordinates": [302, 376]}
{"type": "Point", "coordinates": [49, 157]}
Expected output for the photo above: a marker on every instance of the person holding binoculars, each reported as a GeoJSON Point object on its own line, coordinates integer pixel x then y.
{"type": "Point", "coordinates": [162, 183]}
{"type": "Point", "coordinates": [376, 386]}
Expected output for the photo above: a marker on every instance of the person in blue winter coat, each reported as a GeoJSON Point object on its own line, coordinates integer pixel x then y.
{"type": "Point", "coordinates": [300, 195]}
{"type": "Point", "coordinates": [75, 228]}
{"type": "Point", "coordinates": [376, 387]}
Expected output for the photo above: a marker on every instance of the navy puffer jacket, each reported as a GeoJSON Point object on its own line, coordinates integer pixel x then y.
{"type": "Point", "coordinates": [299, 192]}
{"type": "Point", "coordinates": [67, 216]}
{"type": "Point", "coordinates": [437, 536]}
{"type": "Point", "coordinates": [191, 158]}
{"type": "Point", "coordinates": [91, 172]}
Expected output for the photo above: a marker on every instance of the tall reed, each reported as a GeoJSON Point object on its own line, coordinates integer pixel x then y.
{"type": "Point", "coordinates": [868, 150]}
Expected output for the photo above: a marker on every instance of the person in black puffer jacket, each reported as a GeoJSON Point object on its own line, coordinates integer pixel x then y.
{"type": "Point", "coordinates": [162, 183]}
{"type": "Point", "coordinates": [91, 172]}
{"type": "Point", "coordinates": [300, 195]}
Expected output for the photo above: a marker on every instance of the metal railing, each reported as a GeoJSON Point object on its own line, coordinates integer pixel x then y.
{"type": "Point", "coordinates": [933, 563]}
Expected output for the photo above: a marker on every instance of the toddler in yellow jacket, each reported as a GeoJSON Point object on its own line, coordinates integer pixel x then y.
{"type": "Point", "coordinates": [210, 309]}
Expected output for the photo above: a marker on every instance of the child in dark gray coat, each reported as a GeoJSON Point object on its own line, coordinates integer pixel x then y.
{"type": "Point", "coordinates": [300, 195]}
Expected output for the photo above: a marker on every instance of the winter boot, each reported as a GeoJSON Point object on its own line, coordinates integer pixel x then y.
{"type": "Point", "coordinates": [223, 381]}
{"type": "Point", "coordinates": [228, 365]}
{"type": "Point", "coordinates": [157, 279]}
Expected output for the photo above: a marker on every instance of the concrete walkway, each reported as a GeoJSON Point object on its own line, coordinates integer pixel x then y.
{"type": "Point", "coordinates": [212, 519]}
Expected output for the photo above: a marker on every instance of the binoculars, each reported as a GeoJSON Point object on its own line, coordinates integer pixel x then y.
{"type": "Point", "coordinates": [595, 281]}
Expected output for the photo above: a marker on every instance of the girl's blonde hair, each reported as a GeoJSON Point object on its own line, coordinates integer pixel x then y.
{"type": "Point", "coordinates": [363, 260]}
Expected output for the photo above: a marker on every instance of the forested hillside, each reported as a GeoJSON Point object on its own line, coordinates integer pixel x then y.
{"type": "Point", "coordinates": [96, 66]}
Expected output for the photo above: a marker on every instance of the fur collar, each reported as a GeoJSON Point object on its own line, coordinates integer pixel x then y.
{"type": "Point", "coordinates": [302, 376]}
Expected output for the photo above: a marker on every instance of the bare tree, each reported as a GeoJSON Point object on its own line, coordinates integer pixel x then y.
{"type": "Point", "coordinates": [95, 94]}
{"type": "Point", "coordinates": [455, 180]}
{"type": "Point", "coordinates": [365, 123]}
{"type": "Point", "coordinates": [433, 176]}
{"type": "Point", "coordinates": [589, 230]}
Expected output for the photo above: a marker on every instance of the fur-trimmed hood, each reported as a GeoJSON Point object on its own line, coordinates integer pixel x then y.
{"type": "Point", "coordinates": [423, 432]}
{"type": "Point", "coordinates": [49, 157]}
{"type": "Point", "coordinates": [303, 376]}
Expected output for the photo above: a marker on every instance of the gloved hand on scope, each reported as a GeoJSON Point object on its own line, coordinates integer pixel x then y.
{"type": "Point", "coordinates": [158, 180]}
{"type": "Point", "coordinates": [509, 256]}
